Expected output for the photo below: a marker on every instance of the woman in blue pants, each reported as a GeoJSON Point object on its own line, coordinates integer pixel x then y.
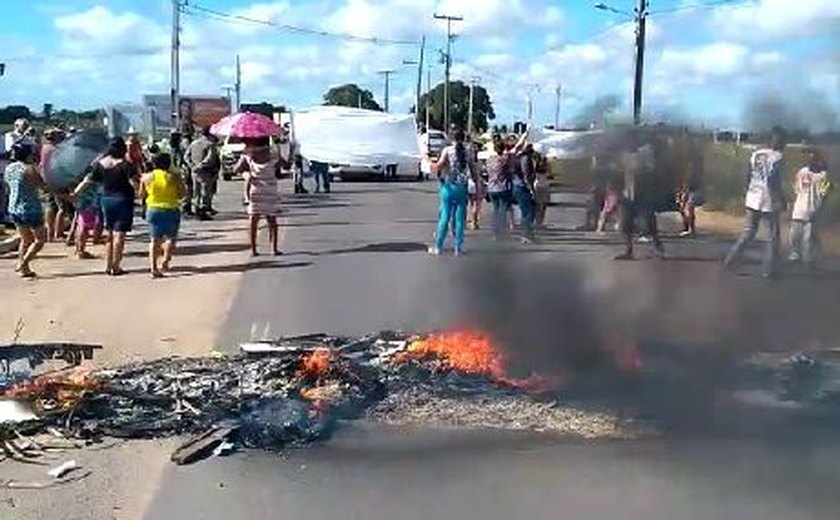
{"type": "Point", "coordinates": [454, 169]}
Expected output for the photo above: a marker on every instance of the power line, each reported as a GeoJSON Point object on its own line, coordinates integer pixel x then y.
{"type": "Point", "coordinates": [139, 51]}
{"type": "Point", "coordinates": [193, 9]}
{"type": "Point", "coordinates": [704, 5]}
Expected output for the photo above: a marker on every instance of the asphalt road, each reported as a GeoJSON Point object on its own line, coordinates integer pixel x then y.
{"type": "Point", "coordinates": [355, 263]}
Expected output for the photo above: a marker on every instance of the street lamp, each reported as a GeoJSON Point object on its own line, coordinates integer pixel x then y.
{"type": "Point", "coordinates": [610, 9]}
{"type": "Point", "coordinates": [639, 15]}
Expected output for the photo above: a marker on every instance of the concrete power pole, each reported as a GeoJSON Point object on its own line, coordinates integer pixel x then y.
{"type": "Point", "coordinates": [238, 85]}
{"type": "Point", "coordinates": [641, 24]}
{"type": "Point", "coordinates": [559, 95]}
{"type": "Point", "coordinates": [448, 63]}
{"type": "Point", "coordinates": [428, 96]}
{"type": "Point", "coordinates": [387, 74]}
{"type": "Point", "coordinates": [175, 71]}
{"type": "Point", "coordinates": [420, 78]}
{"type": "Point", "coordinates": [470, 124]}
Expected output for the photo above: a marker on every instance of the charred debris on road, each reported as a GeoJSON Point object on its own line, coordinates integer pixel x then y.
{"type": "Point", "coordinates": [293, 391]}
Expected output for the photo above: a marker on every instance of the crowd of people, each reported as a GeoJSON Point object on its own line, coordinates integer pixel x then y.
{"type": "Point", "coordinates": [633, 180]}
{"type": "Point", "coordinates": [167, 182]}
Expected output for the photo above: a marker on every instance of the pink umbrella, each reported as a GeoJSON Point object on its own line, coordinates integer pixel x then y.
{"type": "Point", "coordinates": [246, 125]}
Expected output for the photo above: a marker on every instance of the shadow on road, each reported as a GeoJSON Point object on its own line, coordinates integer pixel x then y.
{"type": "Point", "coordinates": [239, 268]}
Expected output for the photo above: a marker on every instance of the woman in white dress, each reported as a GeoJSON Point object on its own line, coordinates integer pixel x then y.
{"type": "Point", "coordinates": [259, 167]}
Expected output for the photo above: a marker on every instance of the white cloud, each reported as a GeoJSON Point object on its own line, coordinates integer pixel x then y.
{"type": "Point", "coordinates": [769, 19]}
{"type": "Point", "coordinates": [495, 60]}
{"type": "Point", "coordinates": [411, 18]}
{"type": "Point", "coordinates": [717, 59]}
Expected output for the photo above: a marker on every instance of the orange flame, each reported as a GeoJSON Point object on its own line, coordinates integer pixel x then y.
{"type": "Point", "coordinates": [316, 364]}
{"type": "Point", "coordinates": [472, 353]}
{"type": "Point", "coordinates": [469, 352]}
{"type": "Point", "coordinates": [55, 390]}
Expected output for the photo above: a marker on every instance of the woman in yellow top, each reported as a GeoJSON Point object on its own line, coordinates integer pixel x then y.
{"type": "Point", "coordinates": [163, 191]}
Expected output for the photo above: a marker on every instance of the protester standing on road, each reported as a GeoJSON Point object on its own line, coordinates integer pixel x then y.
{"type": "Point", "coordinates": [542, 191]}
{"type": "Point", "coordinates": [454, 168]}
{"type": "Point", "coordinates": [24, 206]}
{"type": "Point", "coordinates": [691, 195]}
{"type": "Point", "coordinates": [765, 201]}
{"type": "Point", "coordinates": [522, 181]}
{"type": "Point", "coordinates": [638, 199]}
{"type": "Point", "coordinates": [321, 172]}
{"type": "Point", "coordinates": [500, 188]}
{"type": "Point", "coordinates": [811, 187]}
{"type": "Point", "coordinates": [164, 189]}
{"type": "Point", "coordinates": [205, 162]}
{"type": "Point", "coordinates": [119, 180]}
{"type": "Point", "coordinates": [21, 134]}
{"type": "Point", "coordinates": [477, 191]}
{"type": "Point", "coordinates": [177, 148]}
{"type": "Point", "coordinates": [58, 209]}
{"type": "Point", "coordinates": [259, 167]}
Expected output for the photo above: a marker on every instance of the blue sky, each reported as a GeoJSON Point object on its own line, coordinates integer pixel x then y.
{"type": "Point", "coordinates": [703, 62]}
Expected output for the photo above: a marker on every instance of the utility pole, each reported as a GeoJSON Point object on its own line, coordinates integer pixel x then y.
{"type": "Point", "coordinates": [448, 63]}
{"type": "Point", "coordinates": [641, 24]}
{"type": "Point", "coordinates": [228, 90]}
{"type": "Point", "coordinates": [470, 124]}
{"type": "Point", "coordinates": [387, 74]}
{"type": "Point", "coordinates": [175, 63]}
{"type": "Point", "coordinates": [559, 93]}
{"type": "Point", "coordinates": [428, 96]}
{"type": "Point", "coordinates": [529, 104]}
{"type": "Point", "coordinates": [420, 77]}
{"type": "Point", "coordinates": [238, 85]}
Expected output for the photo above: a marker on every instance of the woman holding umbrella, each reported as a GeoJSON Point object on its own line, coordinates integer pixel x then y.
{"type": "Point", "coordinates": [119, 179]}
{"type": "Point", "coordinates": [260, 167]}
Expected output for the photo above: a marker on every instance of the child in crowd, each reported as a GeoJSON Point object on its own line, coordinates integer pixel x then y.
{"type": "Point", "coordinates": [88, 211]}
{"type": "Point", "coordinates": [811, 187]}
{"type": "Point", "coordinates": [612, 204]}
{"type": "Point", "coordinates": [163, 190]}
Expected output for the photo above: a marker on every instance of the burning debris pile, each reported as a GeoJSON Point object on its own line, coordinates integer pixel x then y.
{"type": "Point", "coordinates": [294, 390]}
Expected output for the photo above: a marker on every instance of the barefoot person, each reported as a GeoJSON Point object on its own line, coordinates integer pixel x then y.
{"type": "Point", "coordinates": [24, 207]}
{"type": "Point", "coordinates": [259, 168]}
{"type": "Point", "coordinates": [119, 180]}
{"type": "Point", "coordinates": [164, 190]}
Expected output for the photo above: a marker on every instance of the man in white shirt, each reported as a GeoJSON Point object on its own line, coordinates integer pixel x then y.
{"type": "Point", "coordinates": [20, 134]}
{"type": "Point", "coordinates": [765, 200]}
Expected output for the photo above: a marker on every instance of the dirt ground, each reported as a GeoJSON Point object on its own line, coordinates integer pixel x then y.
{"type": "Point", "coordinates": [134, 318]}
{"type": "Point", "coordinates": [727, 225]}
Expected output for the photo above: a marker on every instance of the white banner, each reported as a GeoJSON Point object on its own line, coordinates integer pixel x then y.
{"type": "Point", "coordinates": [556, 144]}
{"type": "Point", "coordinates": [354, 137]}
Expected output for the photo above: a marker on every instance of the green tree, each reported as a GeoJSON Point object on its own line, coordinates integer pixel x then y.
{"type": "Point", "coordinates": [459, 101]}
{"type": "Point", "coordinates": [266, 109]}
{"type": "Point", "coordinates": [9, 114]}
{"type": "Point", "coordinates": [351, 95]}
